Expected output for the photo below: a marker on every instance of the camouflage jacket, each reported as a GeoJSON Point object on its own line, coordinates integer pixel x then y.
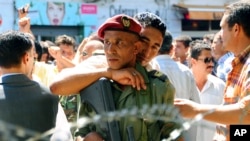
{"type": "Point", "coordinates": [159, 91]}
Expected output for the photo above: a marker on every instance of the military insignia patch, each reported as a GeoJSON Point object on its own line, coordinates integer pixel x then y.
{"type": "Point", "coordinates": [125, 22]}
{"type": "Point", "coordinates": [158, 74]}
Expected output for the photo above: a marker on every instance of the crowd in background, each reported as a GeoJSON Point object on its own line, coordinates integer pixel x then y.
{"type": "Point", "coordinates": [142, 54]}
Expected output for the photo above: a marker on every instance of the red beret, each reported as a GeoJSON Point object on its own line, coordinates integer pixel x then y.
{"type": "Point", "coordinates": [122, 23]}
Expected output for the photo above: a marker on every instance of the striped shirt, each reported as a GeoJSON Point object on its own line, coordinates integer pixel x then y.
{"type": "Point", "coordinates": [237, 86]}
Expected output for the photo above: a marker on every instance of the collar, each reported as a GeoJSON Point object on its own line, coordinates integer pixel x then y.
{"type": "Point", "coordinates": [242, 57]}
{"type": "Point", "coordinates": [14, 78]}
{"type": "Point", "coordinates": [9, 74]}
{"type": "Point", "coordinates": [225, 57]}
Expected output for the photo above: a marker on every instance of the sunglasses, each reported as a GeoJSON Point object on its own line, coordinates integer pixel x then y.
{"type": "Point", "coordinates": [207, 60]}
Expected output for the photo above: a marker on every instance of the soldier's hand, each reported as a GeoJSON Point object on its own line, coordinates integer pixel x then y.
{"type": "Point", "coordinates": [128, 76]}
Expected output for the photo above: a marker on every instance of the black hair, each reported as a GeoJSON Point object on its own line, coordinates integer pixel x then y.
{"type": "Point", "coordinates": [13, 46]}
{"type": "Point", "coordinates": [209, 37]}
{"type": "Point", "coordinates": [166, 44]}
{"type": "Point", "coordinates": [147, 19]}
{"type": "Point", "coordinates": [197, 46]}
{"type": "Point", "coordinates": [185, 39]}
{"type": "Point", "coordinates": [239, 13]}
{"type": "Point", "coordinates": [39, 50]}
{"type": "Point", "coordinates": [65, 39]}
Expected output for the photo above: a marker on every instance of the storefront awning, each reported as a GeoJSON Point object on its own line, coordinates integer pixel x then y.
{"type": "Point", "coordinates": [198, 12]}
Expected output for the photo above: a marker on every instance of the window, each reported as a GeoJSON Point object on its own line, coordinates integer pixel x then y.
{"type": "Point", "coordinates": [215, 25]}
{"type": "Point", "coordinates": [195, 25]}
{"type": "Point", "coordinates": [51, 32]}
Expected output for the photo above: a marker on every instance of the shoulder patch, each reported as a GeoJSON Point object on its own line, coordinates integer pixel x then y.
{"type": "Point", "coordinates": [158, 74]}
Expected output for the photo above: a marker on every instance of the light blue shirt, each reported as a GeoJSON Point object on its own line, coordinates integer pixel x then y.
{"type": "Point", "coordinates": [224, 66]}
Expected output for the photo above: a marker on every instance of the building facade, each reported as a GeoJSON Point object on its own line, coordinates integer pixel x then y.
{"type": "Point", "coordinates": [80, 18]}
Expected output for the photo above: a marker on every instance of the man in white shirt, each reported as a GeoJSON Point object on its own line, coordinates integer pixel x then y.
{"type": "Point", "coordinates": [179, 74]}
{"type": "Point", "coordinates": [210, 87]}
{"type": "Point", "coordinates": [181, 48]}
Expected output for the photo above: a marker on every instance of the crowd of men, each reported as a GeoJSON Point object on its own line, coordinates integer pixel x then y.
{"type": "Point", "coordinates": [41, 82]}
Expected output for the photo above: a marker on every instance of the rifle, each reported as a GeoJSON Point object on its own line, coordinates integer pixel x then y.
{"type": "Point", "coordinates": [99, 97]}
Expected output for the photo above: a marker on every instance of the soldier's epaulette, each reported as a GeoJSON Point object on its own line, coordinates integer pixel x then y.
{"type": "Point", "coordinates": [157, 74]}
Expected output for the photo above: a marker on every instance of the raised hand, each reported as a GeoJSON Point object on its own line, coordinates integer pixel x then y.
{"type": "Point", "coordinates": [55, 52]}
{"type": "Point", "coordinates": [23, 11]}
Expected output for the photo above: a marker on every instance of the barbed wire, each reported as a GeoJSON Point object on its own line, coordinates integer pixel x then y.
{"type": "Point", "coordinates": [10, 132]}
{"type": "Point", "coordinates": [150, 113]}
{"type": "Point", "coordinates": [187, 125]}
{"type": "Point", "coordinates": [165, 113]}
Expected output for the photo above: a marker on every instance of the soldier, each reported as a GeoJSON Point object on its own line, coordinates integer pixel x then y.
{"type": "Point", "coordinates": [132, 85]}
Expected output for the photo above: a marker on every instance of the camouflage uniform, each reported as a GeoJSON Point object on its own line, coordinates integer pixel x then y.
{"type": "Point", "coordinates": [70, 106]}
{"type": "Point", "coordinates": [159, 91]}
